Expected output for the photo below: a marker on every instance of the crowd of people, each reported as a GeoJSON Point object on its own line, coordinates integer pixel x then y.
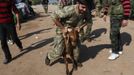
{"type": "Point", "coordinates": [71, 13]}
{"type": "Point", "coordinates": [8, 26]}
{"type": "Point", "coordinates": [24, 8]}
{"type": "Point", "coordinates": [79, 12]}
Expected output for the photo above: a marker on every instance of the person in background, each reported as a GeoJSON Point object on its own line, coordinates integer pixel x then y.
{"type": "Point", "coordinates": [45, 5]}
{"type": "Point", "coordinates": [119, 15]}
{"type": "Point", "coordinates": [63, 3]}
{"type": "Point", "coordinates": [29, 4]}
{"type": "Point", "coordinates": [7, 25]}
{"type": "Point", "coordinates": [87, 34]}
{"type": "Point", "coordinates": [72, 16]}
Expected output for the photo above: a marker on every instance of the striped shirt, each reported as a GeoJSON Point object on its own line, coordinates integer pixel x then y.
{"type": "Point", "coordinates": [6, 8]}
{"type": "Point", "coordinates": [127, 8]}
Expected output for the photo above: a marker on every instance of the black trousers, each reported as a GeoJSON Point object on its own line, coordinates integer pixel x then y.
{"type": "Point", "coordinates": [6, 29]}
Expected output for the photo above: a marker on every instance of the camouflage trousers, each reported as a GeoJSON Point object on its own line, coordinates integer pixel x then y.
{"type": "Point", "coordinates": [56, 53]}
{"type": "Point", "coordinates": [115, 34]}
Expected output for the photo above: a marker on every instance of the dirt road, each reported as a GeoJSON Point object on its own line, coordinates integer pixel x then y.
{"type": "Point", "coordinates": [37, 36]}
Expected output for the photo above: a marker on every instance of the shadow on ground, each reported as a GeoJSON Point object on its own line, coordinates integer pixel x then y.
{"type": "Point", "coordinates": [87, 53]}
{"type": "Point", "coordinates": [90, 52]}
{"type": "Point", "coordinates": [98, 32]}
{"type": "Point", "coordinates": [126, 39]}
{"type": "Point", "coordinates": [34, 46]}
{"type": "Point", "coordinates": [37, 15]}
{"type": "Point", "coordinates": [32, 33]}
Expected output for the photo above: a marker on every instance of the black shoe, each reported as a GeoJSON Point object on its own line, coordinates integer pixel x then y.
{"type": "Point", "coordinates": [47, 61]}
{"type": "Point", "coordinates": [21, 49]}
{"type": "Point", "coordinates": [6, 61]}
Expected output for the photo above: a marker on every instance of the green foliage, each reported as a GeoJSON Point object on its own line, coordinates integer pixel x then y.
{"type": "Point", "coordinates": [34, 2]}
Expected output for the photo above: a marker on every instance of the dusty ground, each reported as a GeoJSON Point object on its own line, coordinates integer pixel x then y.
{"type": "Point", "coordinates": [93, 55]}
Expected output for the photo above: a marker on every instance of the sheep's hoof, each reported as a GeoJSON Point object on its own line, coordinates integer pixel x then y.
{"type": "Point", "coordinates": [67, 72]}
{"type": "Point", "coordinates": [79, 64]}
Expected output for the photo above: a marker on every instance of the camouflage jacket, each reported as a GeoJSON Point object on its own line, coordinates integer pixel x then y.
{"type": "Point", "coordinates": [115, 7]}
{"type": "Point", "coordinates": [70, 16]}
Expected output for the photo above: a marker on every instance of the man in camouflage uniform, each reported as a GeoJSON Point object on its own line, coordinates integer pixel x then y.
{"type": "Point", "coordinates": [91, 6]}
{"type": "Point", "coordinates": [74, 16]}
{"type": "Point", "coordinates": [87, 34]}
{"type": "Point", "coordinates": [119, 13]}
